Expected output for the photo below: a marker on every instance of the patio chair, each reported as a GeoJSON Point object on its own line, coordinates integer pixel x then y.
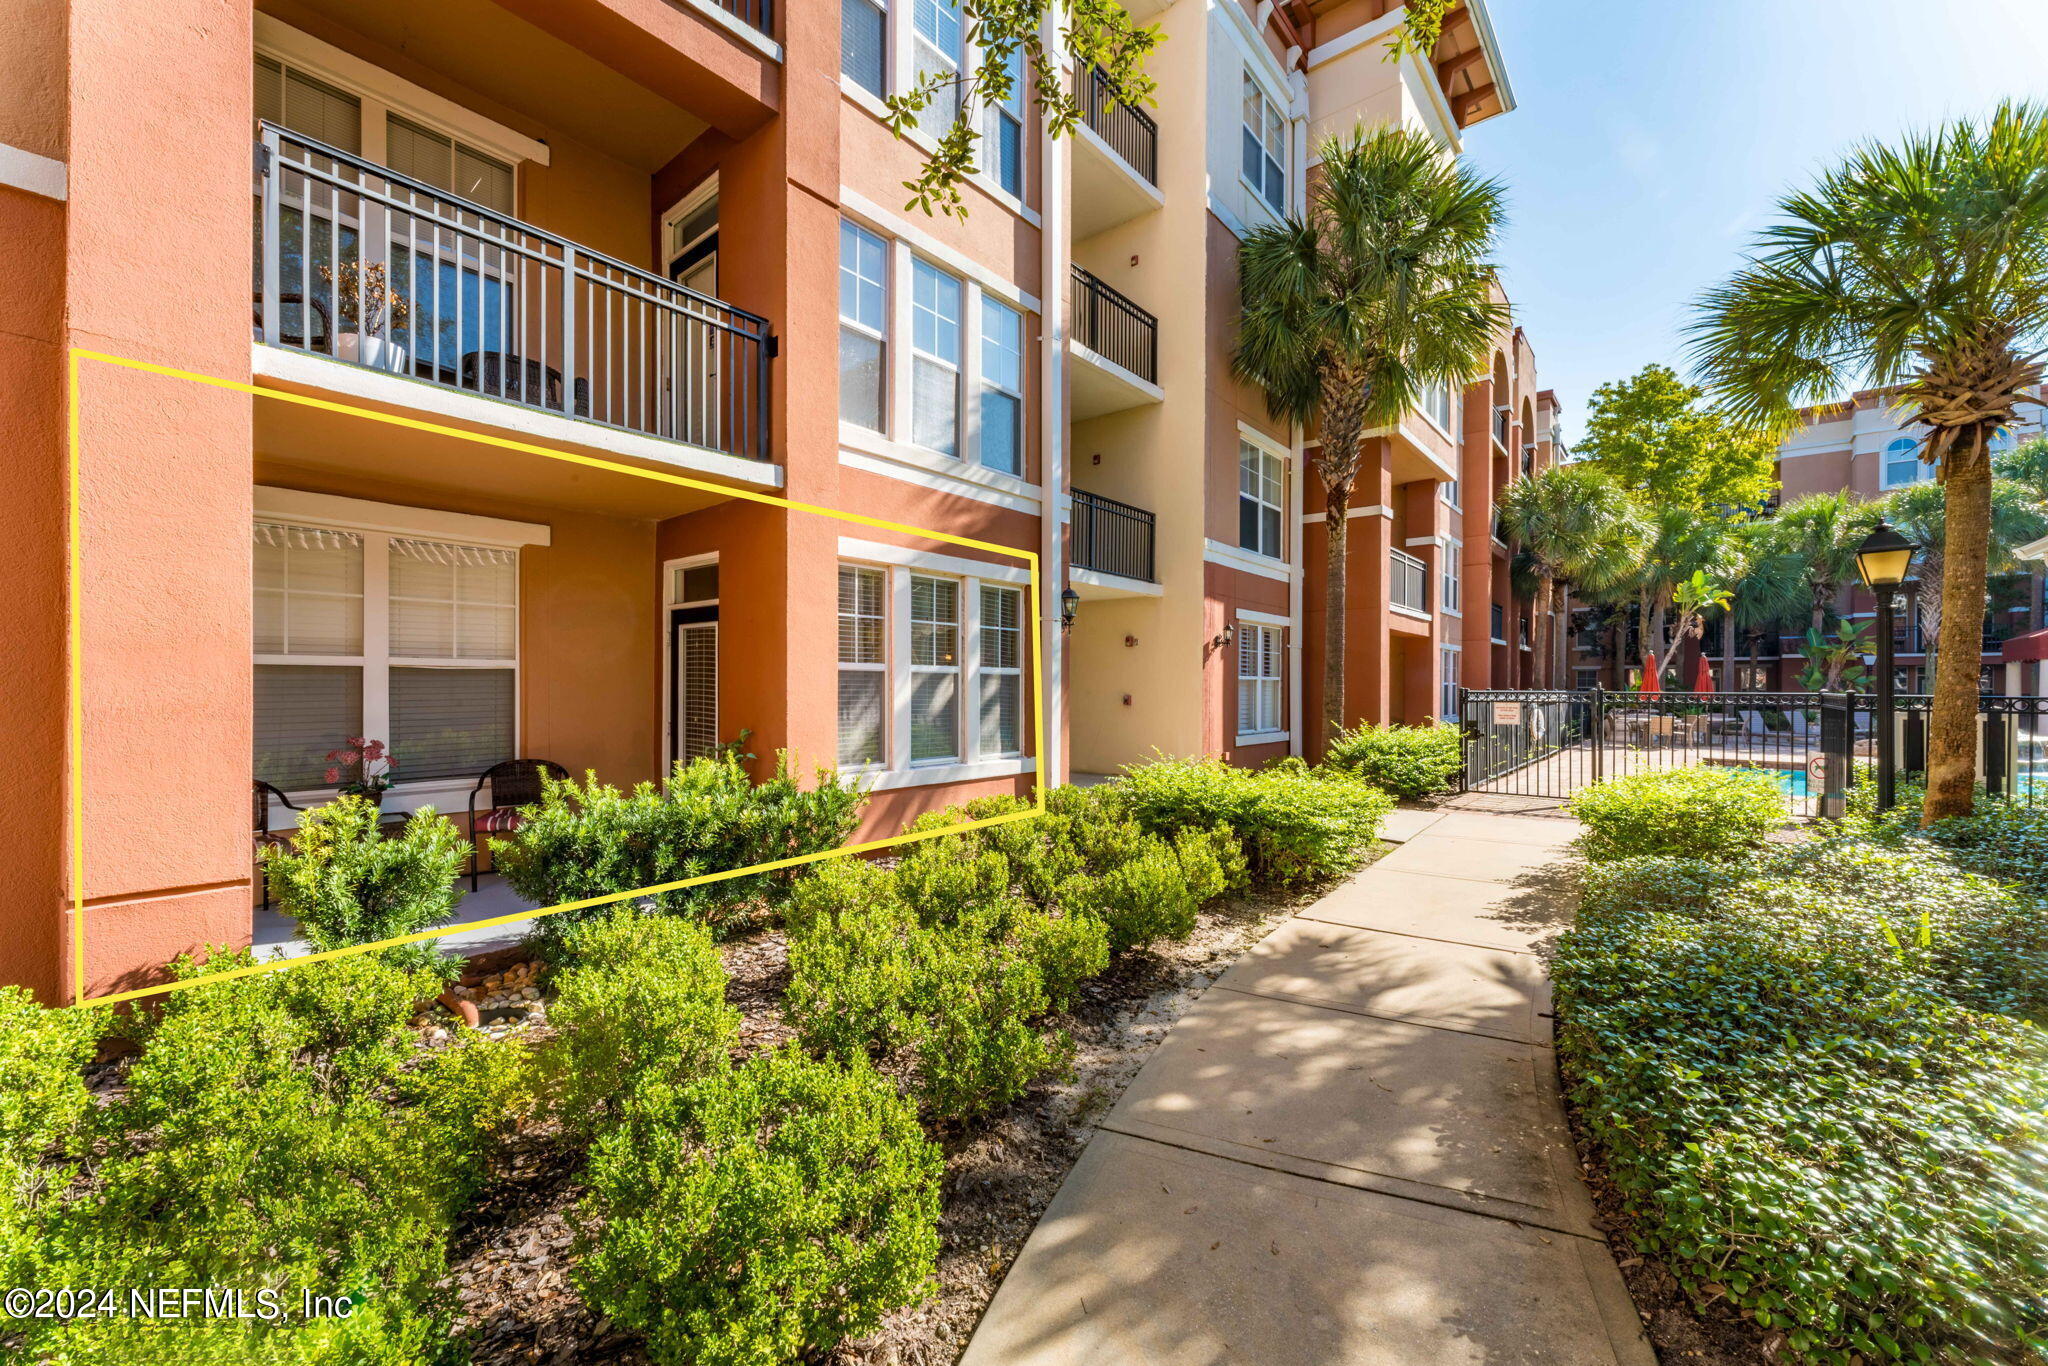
{"type": "Point", "coordinates": [514, 783]}
{"type": "Point", "coordinates": [1753, 723]}
{"type": "Point", "coordinates": [316, 342]}
{"type": "Point", "coordinates": [261, 794]}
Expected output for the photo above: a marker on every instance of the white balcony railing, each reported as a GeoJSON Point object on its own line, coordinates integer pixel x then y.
{"type": "Point", "coordinates": [358, 262]}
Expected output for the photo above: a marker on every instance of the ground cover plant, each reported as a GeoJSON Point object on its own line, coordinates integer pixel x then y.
{"type": "Point", "coordinates": [1817, 1076]}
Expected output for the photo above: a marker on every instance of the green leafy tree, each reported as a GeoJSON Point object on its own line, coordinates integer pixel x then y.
{"type": "Point", "coordinates": [1834, 662]}
{"type": "Point", "coordinates": [1384, 288]}
{"type": "Point", "coordinates": [1679, 546]}
{"type": "Point", "coordinates": [1920, 267]}
{"type": "Point", "coordinates": [2026, 464]}
{"type": "Point", "coordinates": [1771, 592]}
{"type": "Point", "coordinates": [1577, 527]}
{"type": "Point", "coordinates": [1821, 531]}
{"type": "Point", "coordinates": [1654, 435]}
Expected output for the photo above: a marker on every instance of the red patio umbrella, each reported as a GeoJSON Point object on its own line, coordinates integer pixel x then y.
{"type": "Point", "coordinates": [1651, 683]}
{"type": "Point", "coordinates": [1703, 680]}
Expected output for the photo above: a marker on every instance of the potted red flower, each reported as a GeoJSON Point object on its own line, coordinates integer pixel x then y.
{"type": "Point", "coordinates": [362, 768]}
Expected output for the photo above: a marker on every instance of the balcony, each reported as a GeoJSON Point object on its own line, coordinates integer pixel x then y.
{"type": "Point", "coordinates": [1501, 417]}
{"type": "Point", "coordinates": [758, 15]}
{"type": "Point", "coordinates": [1113, 539]}
{"type": "Point", "coordinates": [1408, 582]}
{"type": "Point", "coordinates": [357, 263]}
{"type": "Point", "coordinates": [1114, 348]}
{"type": "Point", "coordinates": [1116, 159]}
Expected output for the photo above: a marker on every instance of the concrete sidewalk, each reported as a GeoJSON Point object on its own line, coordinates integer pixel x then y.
{"type": "Point", "coordinates": [1350, 1151]}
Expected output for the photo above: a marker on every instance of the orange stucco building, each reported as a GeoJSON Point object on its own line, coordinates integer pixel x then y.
{"type": "Point", "coordinates": [665, 235]}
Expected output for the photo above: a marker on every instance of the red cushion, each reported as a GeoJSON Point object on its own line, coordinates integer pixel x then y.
{"type": "Point", "coordinates": [498, 819]}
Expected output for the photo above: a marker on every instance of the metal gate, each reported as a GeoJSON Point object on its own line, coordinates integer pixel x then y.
{"type": "Point", "coordinates": [1548, 745]}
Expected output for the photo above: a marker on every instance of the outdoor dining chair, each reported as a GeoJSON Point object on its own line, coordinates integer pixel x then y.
{"type": "Point", "coordinates": [261, 795]}
{"type": "Point", "coordinates": [515, 783]}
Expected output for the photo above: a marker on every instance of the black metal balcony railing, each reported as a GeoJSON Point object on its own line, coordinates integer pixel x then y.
{"type": "Point", "coordinates": [1114, 328]}
{"type": "Point", "coordinates": [356, 261]}
{"type": "Point", "coordinates": [1111, 537]}
{"type": "Point", "coordinates": [1500, 426]}
{"type": "Point", "coordinates": [1129, 130]}
{"type": "Point", "coordinates": [1407, 581]}
{"type": "Point", "coordinates": [758, 15]}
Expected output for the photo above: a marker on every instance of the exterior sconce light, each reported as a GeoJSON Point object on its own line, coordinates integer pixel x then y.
{"type": "Point", "coordinates": [1069, 600]}
{"type": "Point", "coordinates": [1229, 634]}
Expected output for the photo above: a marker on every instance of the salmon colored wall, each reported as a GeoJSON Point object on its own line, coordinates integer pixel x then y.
{"type": "Point", "coordinates": [164, 487]}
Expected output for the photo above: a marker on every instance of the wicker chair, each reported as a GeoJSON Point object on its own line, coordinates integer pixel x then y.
{"type": "Point", "coordinates": [514, 783]}
{"type": "Point", "coordinates": [261, 794]}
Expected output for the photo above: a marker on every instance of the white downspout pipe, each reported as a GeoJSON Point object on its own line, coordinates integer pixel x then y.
{"type": "Point", "coordinates": [1054, 254]}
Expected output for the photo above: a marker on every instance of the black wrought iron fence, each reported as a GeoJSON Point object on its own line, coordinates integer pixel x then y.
{"type": "Point", "coordinates": [1130, 132]}
{"type": "Point", "coordinates": [1111, 537]}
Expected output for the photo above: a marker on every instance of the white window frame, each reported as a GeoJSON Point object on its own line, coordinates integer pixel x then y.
{"type": "Point", "coordinates": [671, 597]}
{"type": "Point", "coordinates": [958, 58]}
{"type": "Point", "coordinates": [1270, 110]}
{"type": "Point", "coordinates": [995, 114]}
{"type": "Point", "coordinates": [1451, 495]}
{"type": "Point", "coordinates": [977, 304]}
{"type": "Point", "coordinates": [986, 670]}
{"type": "Point", "coordinates": [1274, 683]}
{"type": "Point", "coordinates": [968, 319]}
{"type": "Point", "coordinates": [377, 660]}
{"type": "Point", "coordinates": [879, 335]}
{"type": "Point", "coordinates": [887, 13]}
{"type": "Point", "coordinates": [1922, 471]}
{"type": "Point", "coordinates": [898, 567]}
{"type": "Point", "coordinates": [957, 670]}
{"type": "Point", "coordinates": [1248, 449]}
{"type": "Point", "coordinates": [1451, 579]}
{"type": "Point", "coordinates": [1450, 663]}
{"type": "Point", "coordinates": [884, 668]}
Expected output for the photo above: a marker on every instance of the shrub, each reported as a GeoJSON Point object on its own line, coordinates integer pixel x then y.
{"type": "Point", "coordinates": [642, 998]}
{"type": "Point", "coordinates": [346, 883]}
{"type": "Point", "coordinates": [592, 840]}
{"type": "Point", "coordinates": [1154, 892]}
{"type": "Point", "coordinates": [955, 1003]}
{"type": "Point", "coordinates": [1296, 824]}
{"type": "Point", "coordinates": [759, 1216]}
{"type": "Point", "coordinates": [43, 1106]}
{"type": "Point", "coordinates": [1804, 1075]}
{"type": "Point", "coordinates": [278, 1132]}
{"type": "Point", "coordinates": [1679, 812]}
{"type": "Point", "coordinates": [1405, 762]}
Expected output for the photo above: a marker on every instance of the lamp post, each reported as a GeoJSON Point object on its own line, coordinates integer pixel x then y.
{"type": "Point", "coordinates": [1882, 562]}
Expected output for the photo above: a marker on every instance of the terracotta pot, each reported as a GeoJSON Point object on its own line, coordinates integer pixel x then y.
{"type": "Point", "coordinates": [464, 1010]}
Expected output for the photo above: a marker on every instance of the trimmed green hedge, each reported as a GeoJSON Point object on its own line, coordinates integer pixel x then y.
{"type": "Point", "coordinates": [1297, 824]}
{"type": "Point", "coordinates": [1679, 812]}
{"type": "Point", "coordinates": [1405, 762]}
{"type": "Point", "coordinates": [1818, 1091]}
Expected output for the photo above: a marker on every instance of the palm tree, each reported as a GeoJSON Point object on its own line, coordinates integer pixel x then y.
{"type": "Point", "coordinates": [1772, 591]}
{"type": "Point", "coordinates": [1381, 290]}
{"type": "Point", "coordinates": [1679, 543]}
{"type": "Point", "coordinates": [1822, 531]}
{"type": "Point", "coordinates": [1922, 268]}
{"type": "Point", "coordinates": [1578, 527]}
{"type": "Point", "coordinates": [1921, 511]}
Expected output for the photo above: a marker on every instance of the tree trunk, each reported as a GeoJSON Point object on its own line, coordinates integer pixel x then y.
{"type": "Point", "coordinates": [1620, 622]}
{"type": "Point", "coordinates": [1952, 727]}
{"type": "Point", "coordinates": [1728, 645]}
{"type": "Point", "coordinates": [1336, 538]}
{"type": "Point", "coordinates": [1545, 599]}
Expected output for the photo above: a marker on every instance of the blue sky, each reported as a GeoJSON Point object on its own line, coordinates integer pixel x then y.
{"type": "Point", "coordinates": [1652, 137]}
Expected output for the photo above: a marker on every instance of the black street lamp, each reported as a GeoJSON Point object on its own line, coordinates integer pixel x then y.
{"type": "Point", "coordinates": [1882, 562]}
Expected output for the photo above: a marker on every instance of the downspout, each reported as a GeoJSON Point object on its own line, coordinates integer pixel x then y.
{"type": "Point", "coordinates": [1297, 577]}
{"type": "Point", "coordinates": [1055, 506]}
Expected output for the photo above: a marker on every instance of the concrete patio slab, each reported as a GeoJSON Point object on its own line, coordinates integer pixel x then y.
{"type": "Point", "coordinates": [1496, 916]}
{"type": "Point", "coordinates": [1171, 1258]}
{"type": "Point", "coordinates": [1479, 860]}
{"type": "Point", "coordinates": [1499, 993]}
{"type": "Point", "coordinates": [1404, 823]}
{"type": "Point", "coordinates": [1430, 1114]}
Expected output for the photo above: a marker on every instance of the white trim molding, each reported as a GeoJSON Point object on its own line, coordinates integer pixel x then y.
{"type": "Point", "coordinates": [363, 514]}
{"type": "Point", "coordinates": [38, 175]}
{"type": "Point", "coordinates": [1273, 445]}
{"type": "Point", "coordinates": [861, 209]}
{"type": "Point", "coordinates": [1251, 562]}
{"type": "Point", "coordinates": [1261, 737]}
{"type": "Point", "coordinates": [1246, 614]}
{"type": "Point", "coordinates": [933, 774]}
{"type": "Point", "coordinates": [862, 448]}
{"type": "Point", "coordinates": [1376, 510]}
{"type": "Point", "coordinates": [878, 552]}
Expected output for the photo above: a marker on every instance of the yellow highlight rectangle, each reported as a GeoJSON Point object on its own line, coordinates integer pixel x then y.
{"type": "Point", "coordinates": [75, 698]}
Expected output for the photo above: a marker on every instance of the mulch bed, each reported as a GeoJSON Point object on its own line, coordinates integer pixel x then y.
{"type": "Point", "coordinates": [512, 1257]}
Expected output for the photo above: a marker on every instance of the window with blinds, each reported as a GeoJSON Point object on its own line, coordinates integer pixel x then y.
{"type": "Point", "coordinates": [934, 668]}
{"type": "Point", "coordinates": [447, 723]}
{"type": "Point", "coordinates": [863, 666]}
{"type": "Point", "coordinates": [1002, 672]}
{"type": "Point", "coordinates": [863, 325]}
{"type": "Point", "coordinates": [308, 645]}
{"type": "Point", "coordinates": [697, 687]}
{"type": "Point", "coordinates": [935, 308]}
{"type": "Point", "coordinates": [453, 602]}
{"type": "Point", "coordinates": [1258, 679]}
{"type": "Point", "coordinates": [864, 44]}
{"type": "Point", "coordinates": [1002, 387]}
{"type": "Point", "coordinates": [939, 53]}
{"type": "Point", "coordinates": [447, 164]}
{"type": "Point", "coordinates": [308, 107]}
